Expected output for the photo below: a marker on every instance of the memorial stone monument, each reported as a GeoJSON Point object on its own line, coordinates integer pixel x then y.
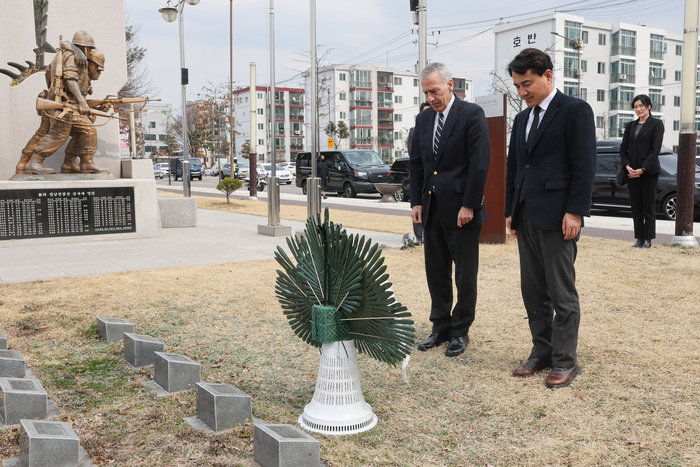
{"type": "Point", "coordinates": [58, 126]}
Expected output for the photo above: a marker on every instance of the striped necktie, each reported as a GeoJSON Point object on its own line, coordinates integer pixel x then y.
{"type": "Point", "coordinates": [438, 132]}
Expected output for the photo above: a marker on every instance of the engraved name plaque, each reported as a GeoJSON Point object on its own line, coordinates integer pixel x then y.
{"type": "Point", "coordinates": [63, 213]}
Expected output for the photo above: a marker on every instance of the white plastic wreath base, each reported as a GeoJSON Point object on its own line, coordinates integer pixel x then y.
{"type": "Point", "coordinates": [338, 406]}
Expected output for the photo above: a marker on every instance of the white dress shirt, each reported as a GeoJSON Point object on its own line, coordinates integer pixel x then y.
{"type": "Point", "coordinates": [543, 108]}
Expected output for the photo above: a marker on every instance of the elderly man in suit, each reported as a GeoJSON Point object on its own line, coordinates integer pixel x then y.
{"type": "Point", "coordinates": [550, 172]}
{"type": "Point", "coordinates": [449, 164]}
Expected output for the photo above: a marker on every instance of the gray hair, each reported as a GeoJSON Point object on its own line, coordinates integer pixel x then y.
{"type": "Point", "coordinates": [439, 68]}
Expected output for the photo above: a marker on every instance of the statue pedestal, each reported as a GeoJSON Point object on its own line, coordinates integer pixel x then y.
{"type": "Point", "coordinates": [63, 208]}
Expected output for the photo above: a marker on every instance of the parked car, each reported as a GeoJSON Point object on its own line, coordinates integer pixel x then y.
{"type": "Point", "coordinates": [243, 167]}
{"type": "Point", "coordinates": [352, 171]}
{"type": "Point", "coordinates": [196, 170]}
{"type": "Point", "coordinates": [164, 167]}
{"type": "Point", "coordinates": [283, 175]}
{"type": "Point", "coordinates": [212, 171]}
{"type": "Point", "coordinates": [607, 195]}
{"type": "Point", "coordinates": [400, 174]}
{"type": "Point", "coordinates": [226, 170]}
{"type": "Point", "coordinates": [158, 172]}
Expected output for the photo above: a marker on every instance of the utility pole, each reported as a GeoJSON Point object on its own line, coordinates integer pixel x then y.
{"type": "Point", "coordinates": [252, 142]}
{"type": "Point", "coordinates": [422, 34]}
{"type": "Point", "coordinates": [687, 140]}
{"type": "Point", "coordinates": [273, 227]}
{"type": "Point", "coordinates": [313, 192]}
{"type": "Point", "coordinates": [231, 146]}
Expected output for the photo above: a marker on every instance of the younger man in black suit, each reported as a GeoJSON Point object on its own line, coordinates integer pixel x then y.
{"type": "Point", "coordinates": [449, 164]}
{"type": "Point", "coordinates": [549, 181]}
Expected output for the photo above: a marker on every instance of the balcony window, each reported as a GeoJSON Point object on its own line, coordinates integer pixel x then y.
{"type": "Point", "coordinates": [386, 137]}
{"type": "Point", "coordinates": [621, 98]}
{"type": "Point", "coordinates": [296, 113]}
{"type": "Point", "coordinates": [279, 113]}
{"type": "Point", "coordinates": [624, 42]}
{"type": "Point", "coordinates": [296, 98]}
{"type": "Point", "coordinates": [657, 100]}
{"type": "Point", "coordinates": [622, 71]}
{"type": "Point", "coordinates": [279, 128]}
{"type": "Point", "coordinates": [279, 97]}
{"type": "Point", "coordinates": [297, 129]}
{"type": "Point", "coordinates": [361, 79]}
{"type": "Point", "coordinates": [361, 98]}
{"type": "Point", "coordinates": [460, 86]}
{"type": "Point", "coordinates": [385, 119]}
{"type": "Point", "coordinates": [296, 144]}
{"type": "Point", "coordinates": [656, 47]}
{"type": "Point", "coordinates": [656, 74]}
{"type": "Point", "coordinates": [570, 65]}
{"type": "Point", "coordinates": [384, 100]}
{"type": "Point", "coordinates": [571, 89]}
{"type": "Point", "coordinates": [572, 30]}
{"type": "Point", "coordinates": [361, 117]}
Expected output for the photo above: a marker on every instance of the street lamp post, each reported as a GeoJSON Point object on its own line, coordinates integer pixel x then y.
{"type": "Point", "coordinates": [170, 13]}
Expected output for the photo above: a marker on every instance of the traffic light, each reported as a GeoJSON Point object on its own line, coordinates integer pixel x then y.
{"type": "Point", "coordinates": [414, 5]}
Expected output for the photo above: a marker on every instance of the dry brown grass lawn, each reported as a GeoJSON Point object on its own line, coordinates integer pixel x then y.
{"type": "Point", "coordinates": [636, 403]}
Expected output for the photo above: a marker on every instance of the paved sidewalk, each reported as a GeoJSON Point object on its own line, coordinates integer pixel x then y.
{"type": "Point", "coordinates": [218, 238]}
{"type": "Point", "coordinates": [221, 237]}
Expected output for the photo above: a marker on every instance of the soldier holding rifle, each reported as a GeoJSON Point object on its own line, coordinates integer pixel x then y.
{"type": "Point", "coordinates": [67, 113]}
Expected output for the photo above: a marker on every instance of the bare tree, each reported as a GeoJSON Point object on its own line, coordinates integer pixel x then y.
{"type": "Point", "coordinates": [513, 99]}
{"type": "Point", "coordinates": [138, 83]}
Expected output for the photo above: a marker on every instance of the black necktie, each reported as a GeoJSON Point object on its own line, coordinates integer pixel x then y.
{"type": "Point", "coordinates": [438, 132]}
{"type": "Point", "coordinates": [533, 128]}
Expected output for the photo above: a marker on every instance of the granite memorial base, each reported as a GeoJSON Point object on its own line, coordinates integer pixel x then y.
{"type": "Point", "coordinates": [12, 364]}
{"type": "Point", "coordinates": [177, 211]}
{"type": "Point", "coordinates": [139, 350]}
{"type": "Point", "coordinates": [3, 342]}
{"type": "Point", "coordinates": [22, 399]}
{"type": "Point", "coordinates": [113, 329]}
{"type": "Point", "coordinates": [43, 444]}
{"type": "Point", "coordinates": [285, 446]}
{"type": "Point", "coordinates": [223, 406]}
{"type": "Point", "coordinates": [174, 372]}
{"type": "Point", "coordinates": [98, 210]}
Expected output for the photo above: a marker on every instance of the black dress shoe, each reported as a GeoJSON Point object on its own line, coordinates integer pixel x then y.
{"type": "Point", "coordinates": [646, 244]}
{"type": "Point", "coordinates": [434, 340]}
{"type": "Point", "coordinates": [638, 244]}
{"type": "Point", "coordinates": [457, 346]}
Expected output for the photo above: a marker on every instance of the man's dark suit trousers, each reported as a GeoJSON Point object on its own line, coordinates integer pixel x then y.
{"type": "Point", "coordinates": [442, 247]}
{"type": "Point", "coordinates": [548, 283]}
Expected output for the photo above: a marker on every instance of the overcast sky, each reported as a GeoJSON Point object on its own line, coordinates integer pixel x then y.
{"type": "Point", "coordinates": [358, 32]}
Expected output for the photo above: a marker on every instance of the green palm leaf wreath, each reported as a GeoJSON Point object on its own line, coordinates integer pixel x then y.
{"type": "Point", "coordinates": [357, 288]}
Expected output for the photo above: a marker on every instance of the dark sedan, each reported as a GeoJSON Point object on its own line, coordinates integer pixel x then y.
{"type": "Point", "coordinates": [400, 174]}
{"type": "Point", "coordinates": [607, 195]}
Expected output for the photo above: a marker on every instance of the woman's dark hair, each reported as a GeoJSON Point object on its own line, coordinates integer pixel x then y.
{"type": "Point", "coordinates": [646, 101]}
{"type": "Point", "coordinates": [530, 59]}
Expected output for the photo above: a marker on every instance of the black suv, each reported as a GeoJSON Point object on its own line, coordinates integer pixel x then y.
{"type": "Point", "coordinates": [607, 195]}
{"type": "Point", "coordinates": [352, 171]}
{"type": "Point", "coordinates": [400, 173]}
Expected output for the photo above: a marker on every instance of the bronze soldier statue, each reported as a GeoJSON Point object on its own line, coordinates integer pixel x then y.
{"type": "Point", "coordinates": [69, 78]}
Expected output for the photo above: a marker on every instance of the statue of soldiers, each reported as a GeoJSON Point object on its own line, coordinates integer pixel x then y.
{"type": "Point", "coordinates": [45, 120]}
{"type": "Point", "coordinates": [70, 83]}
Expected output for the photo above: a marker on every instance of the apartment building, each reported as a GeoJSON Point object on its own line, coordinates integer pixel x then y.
{"type": "Point", "coordinates": [617, 62]}
{"type": "Point", "coordinates": [153, 120]}
{"type": "Point", "coordinates": [287, 124]}
{"type": "Point", "coordinates": [379, 105]}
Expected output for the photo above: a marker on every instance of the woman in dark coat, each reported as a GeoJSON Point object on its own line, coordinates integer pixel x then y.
{"type": "Point", "coordinates": [323, 174]}
{"type": "Point", "coordinates": [639, 153]}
